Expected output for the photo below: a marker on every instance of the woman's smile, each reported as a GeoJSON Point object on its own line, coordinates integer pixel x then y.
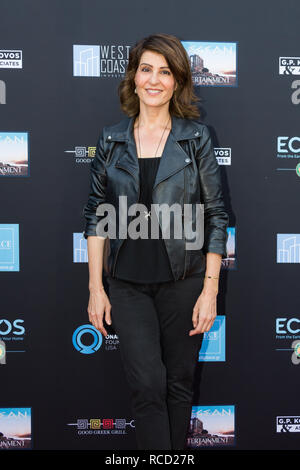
{"type": "Point", "coordinates": [153, 92]}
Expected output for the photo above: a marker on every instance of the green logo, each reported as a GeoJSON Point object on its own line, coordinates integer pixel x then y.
{"type": "Point", "coordinates": [298, 169]}
{"type": "Point", "coordinates": [296, 349]}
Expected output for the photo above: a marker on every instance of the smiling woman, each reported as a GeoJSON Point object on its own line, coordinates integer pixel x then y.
{"type": "Point", "coordinates": [162, 295]}
{"type": "Point", "coordinates": [155, 84]}
{"type": "Point", "coordinates": [161, 55]}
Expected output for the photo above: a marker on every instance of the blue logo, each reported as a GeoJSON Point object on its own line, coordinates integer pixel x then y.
{"type": "Point", "coordinates": [83, 348]}
{"type": "Point", "coordinates": [288, 248]}
{"type": "Point", "coordinates": [213, 344]}
{"type": "Point", "coordinates": [86, 61]}
{"type": "Point", "coordinates": [230, 261]}
{"type": "Point", "coordinates": [80, 253]}
{"type": "Point", "coordinates": [9, 247]}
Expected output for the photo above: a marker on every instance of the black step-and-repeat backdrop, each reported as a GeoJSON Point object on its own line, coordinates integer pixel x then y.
{"type": "Point", "coordinates": [62, 384]}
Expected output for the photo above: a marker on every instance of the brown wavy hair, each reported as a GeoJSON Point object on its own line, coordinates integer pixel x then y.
{"type": "Point", "coordinates": [181, 103]}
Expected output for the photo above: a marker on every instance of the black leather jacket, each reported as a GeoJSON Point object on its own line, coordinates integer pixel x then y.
{"type": "Point", "coordinates": [188, 173]}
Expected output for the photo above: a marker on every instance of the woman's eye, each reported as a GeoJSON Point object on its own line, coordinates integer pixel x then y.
{"type": "Point", "coordinates": [146, 69]}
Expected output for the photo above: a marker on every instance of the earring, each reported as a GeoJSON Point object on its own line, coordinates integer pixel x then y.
{"type": "Point", "coordinates": [135, 90]}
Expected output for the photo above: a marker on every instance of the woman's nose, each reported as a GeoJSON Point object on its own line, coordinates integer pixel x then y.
{"type": "Point", "coordinates": [154, 78]}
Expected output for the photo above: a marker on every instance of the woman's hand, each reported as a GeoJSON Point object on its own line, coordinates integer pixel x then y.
{"type": "Point", "coordinates": [204, 312]}
{"type": "Point", "coordinates": [98, 304]}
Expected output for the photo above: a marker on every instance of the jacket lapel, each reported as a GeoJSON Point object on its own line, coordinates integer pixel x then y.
{"type": "Point", "coordinates": [173, 159]}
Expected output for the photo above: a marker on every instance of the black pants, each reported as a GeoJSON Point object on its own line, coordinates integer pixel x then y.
{"type": "Point", "coordinates": [159, 357]}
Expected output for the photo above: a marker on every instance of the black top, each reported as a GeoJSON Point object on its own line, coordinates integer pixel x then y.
{"type": "Point", "coordinates": [145, 260]}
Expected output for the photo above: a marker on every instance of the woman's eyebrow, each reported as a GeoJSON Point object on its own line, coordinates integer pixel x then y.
{"type": "Point", "coordinates": [163, 67]}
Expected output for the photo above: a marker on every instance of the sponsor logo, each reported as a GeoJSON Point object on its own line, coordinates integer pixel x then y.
{"type": "Point", "coordinates": [285, 327]}
{"type": "Point", "coordinates": [10, 59]}
{"type": "Point", "coordinates": [15, 428]}
{"type": "Point", "coordinates": [287, 330]}
{"type": "Point", "coordinates": [230, 261]}
{"type": "Point", "coordinates": [92, 332]}
{"type": "Point", "coordinates": [9, 247]}
{"type": "Point", "coordinates": [102, 426]}
{"type": "Point", "coordinates": [212, 426]}
{"type": "Point", "coordinates": [86, 61]}
{"type": "Point", "coordinates": [12, 335]}
{"type": "Point", "coordinates": [87, 339]}
{"type": "Point", "coordinates": [213, 343]}
{"type": "Point", "coordinates": [223, 155]}
{"type": "Point", "coordinates": [212, 63]}
{"type": "Point", "coordinates": [288, 248]}
{"type": "Point", "coordinates": [287, 423]}
{"type": "Point", "coordinates": [13, 329]}
{"type": "Point", "coordinates": [288, 148]}
{"type": "Point", "coordinates": [80, 252]}
{"type": "Point", "coordinates": [13, 153]}
{"type": "Point", "coordinates": [296, 352]}
{"type": "Point", "coordinates": [289, 65]}
{"type": "Point", "coordinates": [82, 154]}
{"type": "Point", "coordinates": [100, 61]}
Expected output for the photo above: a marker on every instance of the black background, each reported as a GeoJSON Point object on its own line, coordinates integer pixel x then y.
{"type": "Point", "coordinates": [51, 292]}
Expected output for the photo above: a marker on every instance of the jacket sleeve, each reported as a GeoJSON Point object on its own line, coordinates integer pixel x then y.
{"type": "Point", "coordinates": [215, 217]}
{"type": "Point", "coordinates": [96, 197]}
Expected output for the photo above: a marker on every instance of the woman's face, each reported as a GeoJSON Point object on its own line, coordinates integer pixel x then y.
{"type": "Point", "coordinates": [154, 80]}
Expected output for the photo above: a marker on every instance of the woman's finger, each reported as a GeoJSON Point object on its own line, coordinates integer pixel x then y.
{"type": "Point", "coordinates": [211, 322]}
{"type": "Point", "coordinates": [108, 314]}
{"type": "Point", "coordinates": [201, 322]}
{"type": "Point", "coordinates": [195, 316]}
{"type": "Point", "coordinates": [94, 320]}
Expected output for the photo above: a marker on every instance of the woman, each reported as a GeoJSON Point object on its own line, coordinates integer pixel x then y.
{"type": "Point", "coordinates": [162, 296]}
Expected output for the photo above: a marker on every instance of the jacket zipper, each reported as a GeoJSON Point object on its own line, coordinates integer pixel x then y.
{"type": "Point", "coordinates": [114, 267]}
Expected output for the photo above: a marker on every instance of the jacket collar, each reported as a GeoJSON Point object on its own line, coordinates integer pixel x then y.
{"type": "Point", "coordinates": [182, 129]}
{"type": "Point", "coordinates": [174, 157]}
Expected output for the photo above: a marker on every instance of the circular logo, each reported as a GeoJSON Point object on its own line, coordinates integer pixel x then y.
{"type": "Point", "coordinates": [298, 169]}
{"type": "Point", "coordinates": [83, 348]}
{"type": "Point", "coordinates": [297, 349]}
